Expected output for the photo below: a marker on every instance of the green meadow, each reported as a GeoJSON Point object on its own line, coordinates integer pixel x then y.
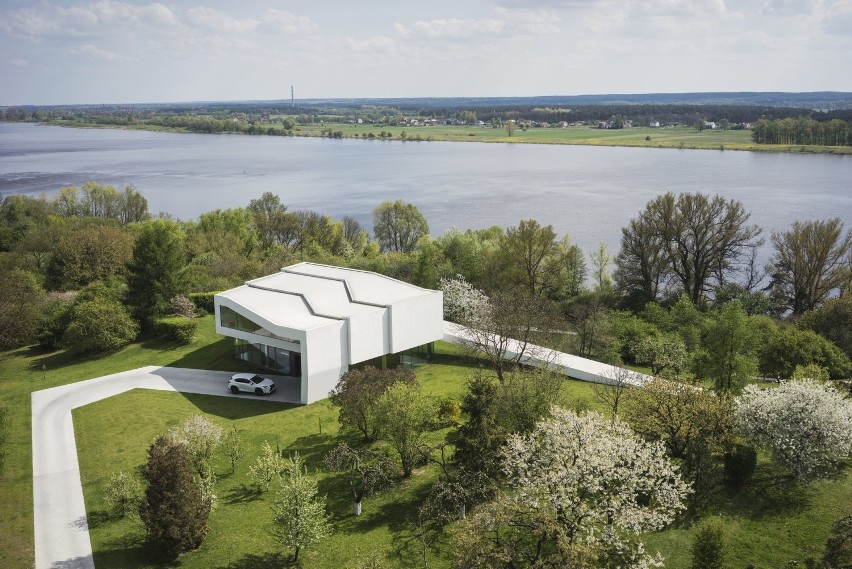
{"type": "Point", "coordinates": [770, 523]}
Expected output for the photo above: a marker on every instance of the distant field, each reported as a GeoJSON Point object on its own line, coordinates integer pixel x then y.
{"type": "Point", "coordinates": [674, 137]}
{"type": "Point", "coordinates": [679, 137]}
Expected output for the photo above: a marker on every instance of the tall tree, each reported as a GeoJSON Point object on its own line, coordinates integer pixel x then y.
{"type": "Point", "coordinates": [358, 392]}
{"type": "Point", "coordinates": [156, 270]}
{"type": "Point", "coordinates": [403, 415]}
{"type": "Point", "coordinates": [398, 226]}
{"type": "Point", "coordinates": [269, 216]}
{"type": "Point", "coordinates": [173, 510]}
{"type": "Point", "coordinates": [21, 299]}
{"type": "Point", "coordinates": [702, 238]}
{"type": "Point", "coordinates": [641, 264]}
{"type": "Point", "coordinates": [811, 261]}
{"type": "Point", "coordinates": [526, 247]}
{"type": "Point", "coordinates": [730, 348]}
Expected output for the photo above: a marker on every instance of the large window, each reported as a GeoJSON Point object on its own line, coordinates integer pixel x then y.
{"type": "Point", "coordinates": [279, 360]}
{"type": "Point", "coordinates": [235, 321]}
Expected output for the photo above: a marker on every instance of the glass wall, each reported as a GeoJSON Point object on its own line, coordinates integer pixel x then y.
{"type": "Point", "coordinates": [235, 321]}
{"type": "Point", "coordinates": [284, 362]}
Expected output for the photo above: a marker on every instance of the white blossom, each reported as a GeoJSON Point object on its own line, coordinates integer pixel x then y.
{"type": "Point", "coordinates": [600, 479]}
{"type": "Point", "coordinates": [806, 424]}
{"type": "Point", "coordinates": [462, 302]}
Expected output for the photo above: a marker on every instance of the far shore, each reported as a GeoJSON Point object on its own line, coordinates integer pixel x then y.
{"type": "Point", "coordinates": [643, 137]}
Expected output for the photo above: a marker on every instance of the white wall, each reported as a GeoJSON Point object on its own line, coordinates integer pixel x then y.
{"type": "Point", "coordinates": [367, 336]}
{"type": "Point", "coordinates": [324, 358]}
{"type": "Point", "coordinates": [416, 321]}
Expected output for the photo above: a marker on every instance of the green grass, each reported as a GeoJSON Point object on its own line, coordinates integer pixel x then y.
{"type": "Point", "coordinates": [769, 523]}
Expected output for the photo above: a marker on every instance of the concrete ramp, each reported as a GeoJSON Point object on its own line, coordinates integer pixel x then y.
{"type": "Point", "coordinates": [560, 362]}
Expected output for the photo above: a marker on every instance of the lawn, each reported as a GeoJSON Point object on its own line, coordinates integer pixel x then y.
{"type": "Point", "coordinates": [770, 523]}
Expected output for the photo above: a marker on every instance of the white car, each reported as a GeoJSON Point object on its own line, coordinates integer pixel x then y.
{"type": "Point", "coordinates": [252, 383]}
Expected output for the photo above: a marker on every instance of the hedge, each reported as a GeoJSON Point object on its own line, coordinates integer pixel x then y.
{"type": "Point", "coordinates": [177, 328]}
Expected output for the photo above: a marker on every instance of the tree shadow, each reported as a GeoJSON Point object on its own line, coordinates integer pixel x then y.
{"type": "Point", "coordinates": [97, 518]}
{"type": "Point", "coordinates": [271, 560]}
{"type": "Point", "coordinates": [312, 448]}
{"type": "Point", "coordinates": [770, 493]}
{"type": "Point", "coordinates": [243, 494]}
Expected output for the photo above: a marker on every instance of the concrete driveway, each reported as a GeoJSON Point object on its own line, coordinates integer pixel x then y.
{"type": "Point", "coordinates": [61, 528]}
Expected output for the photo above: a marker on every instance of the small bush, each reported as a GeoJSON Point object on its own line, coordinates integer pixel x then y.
{"type": "Point", "coordinates": [182, 306]}
{"type": "Point", "coordinates": [838, 548]}
{"type": "Point", "coordinates": [123, 493]}
{"type": "Point", "coordinates": [449, 412]}
{"type": "Point", "coordinates": [740, 463]}
{"type": "Point", "coordinates": [708, 546]}
{"type": "Point", "coordinates": [203, 300]}
{"type": "Point", "coordinates": [99, 325]}
{"type": "Point", "coordinates": [177, 328]}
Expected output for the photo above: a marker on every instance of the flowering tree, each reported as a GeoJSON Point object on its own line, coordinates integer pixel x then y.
{"type": "Point", "coordinates": [300, 518]}
{"type": "Point", "coordinates": [807, 425]}
{"type": "Point", "coordinates": [366, 471]}
{"type": "Point", "coordinates": [462, 302]}
{"type": "Point", "coordinates": [267, 465]}
{"type": "Point", "coordinates": [201, 436]}
{"type": "Point", "coordinates": [584, 483]}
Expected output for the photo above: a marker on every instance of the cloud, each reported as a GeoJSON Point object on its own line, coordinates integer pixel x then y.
{"type": "Point", "coordinates": [532, 22]}
{"type": "Point", "coordinates": [94, 52]}
{"type": "Point", "coordinates": [282, 21]}
{"type": "Point", "coordinates": [371, 45]}
{"type": "Point", "coordinates": [220, 21]}
{"type": "Point", "coordinates": [452, 28]}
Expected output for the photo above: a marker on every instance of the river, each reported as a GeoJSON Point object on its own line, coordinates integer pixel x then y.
{"type": "Point", "coordinates": [586, 192]}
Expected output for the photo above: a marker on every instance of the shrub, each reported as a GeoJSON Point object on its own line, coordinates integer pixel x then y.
{"type": "Point", "coordinates": [708, 546]}
{"type": "Point", "coordinates": [99, 325]}
{"type": "Point", "coordinates": [4, 434]}
{"type": "Point", "coordinates": [203, 300]}
{"type": "Point", "coordinates": [173, 510]}
{"type": "Point", "coordinates": [740, 464]}
{"type": "Point", "coordinates": [182, 306]}
{"type": "Point", "coordinates": [838, 548]}
{"type": "Point", "coordinates": [177, 328]}
{"type": "Point", "coordinates": [54, 320]}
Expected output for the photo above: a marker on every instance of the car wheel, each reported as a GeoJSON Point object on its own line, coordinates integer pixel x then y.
{"type": "Point", "coordinates": [235, 389]}
{"type": "Point", "coordinates": [258, 391]}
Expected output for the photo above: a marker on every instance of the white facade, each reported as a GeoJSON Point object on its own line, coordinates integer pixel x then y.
{"type": "Point", "coordinates": [325, 319]}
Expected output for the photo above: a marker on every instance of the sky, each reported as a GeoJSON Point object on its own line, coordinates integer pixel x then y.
{"type": "Point", "coordinates": [111, 51]}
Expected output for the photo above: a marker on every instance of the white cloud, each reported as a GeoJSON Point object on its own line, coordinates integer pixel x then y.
{"type": "Point", "coordinates": [216, 20]}
{"type": "Point", "coordinates": [452, 28]}
{"type": "Point", "coordinates": [94, 52]}
{"type": "Point", "coordinates": [282, 21]}
{"type": "Point", "coordinates": [372, 45]}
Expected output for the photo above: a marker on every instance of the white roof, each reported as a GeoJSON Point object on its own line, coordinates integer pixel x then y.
{"type": "Point", "coordinates": [308, 295]}
{"type": "Point", "coordinates": [364, 286]}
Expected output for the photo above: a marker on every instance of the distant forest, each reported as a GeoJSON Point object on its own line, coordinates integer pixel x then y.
{"type": "Point", "coordinates": [667, 108]}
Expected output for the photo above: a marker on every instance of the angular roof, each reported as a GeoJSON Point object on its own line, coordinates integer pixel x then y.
{"type": "Point", "coordinates": [308, 295]}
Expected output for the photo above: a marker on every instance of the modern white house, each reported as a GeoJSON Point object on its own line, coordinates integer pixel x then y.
{"type": "Point", "coordinates": [314, 321]}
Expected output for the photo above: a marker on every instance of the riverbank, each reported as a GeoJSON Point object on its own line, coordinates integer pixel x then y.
{"type": "Point", "coordinates": [645, 137]}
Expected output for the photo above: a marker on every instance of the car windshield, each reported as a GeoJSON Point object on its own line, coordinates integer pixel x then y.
{"type": "Point", "coordinates": [257, 379]}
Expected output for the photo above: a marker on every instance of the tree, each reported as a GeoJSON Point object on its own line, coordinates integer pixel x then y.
{"type": "Point", "coordinates": [702, 238]}
{"type": "Point", "coordinates": [269, 216]}
{"type": "Point", "coordinates": [581, 482]}
{"type": "Point", "coordinates": [729, 342]}
{"type": "Point", "coordinates": [788, 347]}
{"type": "Point", "coordinates": [155, 270]}
{"type": "Point", "coordinates": [366, 471]}
{"type": "Point", "coordinates": [403, 415]}
{"type": "Point", "coordinates": [300, 518]}
{"type": "Point", "coordinates": [807, 425]}
{"type": "Point", "coordinates": [232, 447]}
{"type": "Point", "coordinates": [617, 382]}
{"type": "Point", "coordinates": [462, 302]}
{"type": "Point", "coordinates": [267, 465]}
{"type": "Point", "coordinates": [641, 264]}
{"type": "Point", "coordinates": [709, 547]}
{"type": "Point", "coordinates": [358, 392]}
{"type": "Point", "coordinates": [173, 510]}
{"type": "Point", "coordinates": [21, 299]}
{"type": "Point", "coordinates": [502, 333]}
{"type": "Point", "coordinates": [526, 247]}
{"type": "Point", "coordinates": [661, 353]}
{"type": "Point", "coordinates": [83, 254]}
{"type": "Point", "coordinates": [810, 262]}
{"type": "Point", "coordinates": [831, 321]}
{"type": "Point", "coordinates": [601, 261]}
{"type": "Point", "coordinates": [398, 226]}
{"type": "Point", "coordinates": [99, 325]}
{"type": "Point", "coordinates": [123, 493]}
{"type": "Point", "coordinates": [838, 547]}
{"type": "Point", "coordinates": [511, 127]}
{"type": "Point", "coordinates": [201, 437]}
{"type": "Point", "coordinates": [692, 423]}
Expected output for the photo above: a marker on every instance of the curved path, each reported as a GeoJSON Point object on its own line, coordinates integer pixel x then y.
{"type": "Point", "coordinates": [61, 528]}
